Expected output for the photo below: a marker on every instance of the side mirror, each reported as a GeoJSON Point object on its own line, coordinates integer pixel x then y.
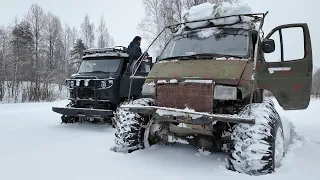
{"type": "Point", "coordinates": [268, 46]}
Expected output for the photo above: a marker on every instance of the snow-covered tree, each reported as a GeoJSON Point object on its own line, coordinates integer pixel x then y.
{"type": "Point", "coordinates": [104, 37]}
{"type": "Point", "coordinates": [22, 46]}
{"type": "Point", "coordinates": [4, 58]}
{"type": "Point", "coordinates": [87, 32]}
{"type": "Point", "coordinates": [111, 42]}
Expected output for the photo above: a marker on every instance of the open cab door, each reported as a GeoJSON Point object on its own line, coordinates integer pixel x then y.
{"type": "Point", "coordinates": [284, 66]}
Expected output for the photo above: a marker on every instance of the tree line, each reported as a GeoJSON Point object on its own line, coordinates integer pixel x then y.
{"type": "Point", "coordinates": [38, 52]}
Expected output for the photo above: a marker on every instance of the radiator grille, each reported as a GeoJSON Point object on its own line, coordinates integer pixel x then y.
{"type": "Point", "coordinates": [192, 95]}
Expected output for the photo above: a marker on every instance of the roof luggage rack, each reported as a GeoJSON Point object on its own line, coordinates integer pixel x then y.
{"type": "Point", "coordinates": [120, 49]}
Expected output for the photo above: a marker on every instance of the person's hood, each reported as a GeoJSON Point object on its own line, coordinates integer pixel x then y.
{"type": "Point", "coordinates": [133, 43]}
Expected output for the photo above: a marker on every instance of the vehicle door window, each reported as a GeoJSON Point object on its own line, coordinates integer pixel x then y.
{"type": "Point", "coordinates": [289, 45]}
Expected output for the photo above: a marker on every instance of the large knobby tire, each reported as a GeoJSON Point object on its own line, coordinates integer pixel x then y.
{"type": "Point", "coordinates": [130, 127]}
{"type": "Point", "coordinates": [257, 149]}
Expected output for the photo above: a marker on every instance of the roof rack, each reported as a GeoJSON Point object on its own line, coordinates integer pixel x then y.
{"type": "Point", "coordinates": [109, 51]}
{"type": "Point", "coordinates": [242, 18]}
{"type": "Point", "coordinates": [104, 50]}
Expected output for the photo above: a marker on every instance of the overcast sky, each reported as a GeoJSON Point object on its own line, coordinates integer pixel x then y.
{"type": "Point", "coordinates": [122, 16]}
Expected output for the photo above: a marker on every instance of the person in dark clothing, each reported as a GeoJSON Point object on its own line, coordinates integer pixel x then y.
{"type": "Point", "coordinates": [134, 50]}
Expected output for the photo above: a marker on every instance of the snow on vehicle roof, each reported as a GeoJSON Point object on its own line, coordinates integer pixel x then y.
{"type": "Point", "coordinates": [106, 54]}
{"type": "Point", "coordinates": [208, 10]}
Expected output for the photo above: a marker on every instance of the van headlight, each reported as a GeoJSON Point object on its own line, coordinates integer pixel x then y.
{"type": "Point", "coordinates": [225, 93]}
{"type": "Point", "coordinates": [71, 84]}
{"type": "Point", "coordinates": [86, 82]}
{"type": "Point", "coordinates": [148, 89]}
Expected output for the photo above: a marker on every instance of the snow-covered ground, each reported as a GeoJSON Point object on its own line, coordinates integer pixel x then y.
{"type": "Point", "coordinates": [35, 146]}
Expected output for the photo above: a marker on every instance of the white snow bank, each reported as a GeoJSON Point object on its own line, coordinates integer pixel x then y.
{"type": "Point", "coordinates": [209, 10]}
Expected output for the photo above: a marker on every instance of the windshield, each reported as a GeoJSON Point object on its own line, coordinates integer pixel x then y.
{"type": "Point", "coordinates": [99, 65]}
{"type": "Point", "coordinates": [232, 42]}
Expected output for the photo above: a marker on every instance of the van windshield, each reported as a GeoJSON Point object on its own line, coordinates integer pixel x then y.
{"type": "Point", "coordinates": [99, 65]}
{"type": "Point", "coordinates": [232, 42]}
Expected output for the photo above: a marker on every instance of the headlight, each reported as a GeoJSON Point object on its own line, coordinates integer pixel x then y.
{"type": "Point", "coordinates": [148, 89]}
{"type": "Point", "coordinates": [103, 84]}
{"type": "Point", "coordinates": [71, 84]}
{"type": "Point", "coordinates": [110, 82]}
{"type": "Point", "coordinates": [86, 82]}
{"type": "Point", "coordinates": [225, 93]}
{"type": "Point", "coordinates": [78, 83]}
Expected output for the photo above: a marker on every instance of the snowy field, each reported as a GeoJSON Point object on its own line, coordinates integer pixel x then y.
{"type": "Point", "coordinates": [35, 146]}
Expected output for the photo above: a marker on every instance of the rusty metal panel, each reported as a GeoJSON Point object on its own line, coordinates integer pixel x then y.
{"type": "Point", "coordinates": [195, 96]}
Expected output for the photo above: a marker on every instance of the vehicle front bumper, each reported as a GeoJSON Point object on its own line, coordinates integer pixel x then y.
{"type": "Point", "coordinates": [189, 117]}
{"type": "Point", "coordinates": [83, 112]}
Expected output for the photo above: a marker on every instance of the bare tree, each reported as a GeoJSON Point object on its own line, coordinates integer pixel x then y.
{"type": "Point", "coordinates": [74, 35]}
{"type": "Point", "coordinates": [104, 37]}
{"type": "Point", "coordinates": [22, 48]}
{"type": "Point", "coordinates": [87, 29]}
{"type": "Point", "coordinates": [53, 33]}
{"type": "Point", "coordinates": [158, 14]}
{"type": "Point", "coordinates": [162, 13]}
{"type": "Point", "coordinates": [36, 18]}
{"type": "Point", "coordinates": [4, 58]}
{"type": "Point", "coordinates": [111, 42]}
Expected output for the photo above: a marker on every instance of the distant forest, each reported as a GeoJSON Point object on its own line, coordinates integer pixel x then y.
{"type": "Point", "coordinates": [38, 52]}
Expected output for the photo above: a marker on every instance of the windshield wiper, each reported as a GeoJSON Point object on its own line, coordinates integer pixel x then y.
{"type": "Point", "coordinates": [177, 57]}
{"type": "Point", "coordinates": [201, 56]}
{"type": "Point", "coordinates": [214, 55]}
{"type": "Point", "coordinates": [99, 72]}
{"type": "Point", "coordinates": [94, 72]}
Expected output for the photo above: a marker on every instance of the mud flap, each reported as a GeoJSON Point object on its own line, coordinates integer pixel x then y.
{"type": "Point", "coordinates": [83, 112]}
